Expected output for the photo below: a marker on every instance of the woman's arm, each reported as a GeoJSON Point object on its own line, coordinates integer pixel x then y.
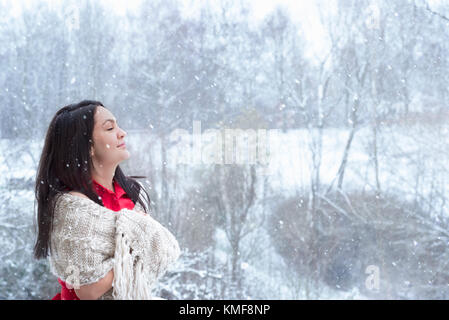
{"type": "Point", "coordinates": [96, 290]}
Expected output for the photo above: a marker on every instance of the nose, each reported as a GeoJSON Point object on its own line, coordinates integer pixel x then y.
{"type": "Point", "coordinates": [122, 133]}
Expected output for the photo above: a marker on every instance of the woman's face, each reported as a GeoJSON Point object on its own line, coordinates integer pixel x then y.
{"type": "Point", "coordinates": [107, 136]}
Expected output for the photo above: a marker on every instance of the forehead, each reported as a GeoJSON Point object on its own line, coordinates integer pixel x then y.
{"type": "Point", "coordinates": [101, 114]}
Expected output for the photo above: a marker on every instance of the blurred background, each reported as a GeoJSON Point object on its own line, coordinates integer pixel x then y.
{"type": "Point", "coordinates": [355, 202]}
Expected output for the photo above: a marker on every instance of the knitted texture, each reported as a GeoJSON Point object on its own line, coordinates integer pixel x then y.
{"type": "Point", "coordinates": [89, 240]}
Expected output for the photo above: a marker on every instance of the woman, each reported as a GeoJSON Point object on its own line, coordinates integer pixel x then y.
{"type": "Point", "coordinates": [92, 219]}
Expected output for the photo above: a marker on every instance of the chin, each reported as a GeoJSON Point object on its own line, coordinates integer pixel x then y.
{"type": "Point", "coordinates": [124, 155]}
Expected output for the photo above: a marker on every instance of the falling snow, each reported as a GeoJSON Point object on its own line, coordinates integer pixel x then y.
{"type": "Point", "coordinates": [354, 187]}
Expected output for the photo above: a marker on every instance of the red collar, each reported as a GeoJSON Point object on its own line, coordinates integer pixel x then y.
{"type": "Point", "coordinates": [102, 190]}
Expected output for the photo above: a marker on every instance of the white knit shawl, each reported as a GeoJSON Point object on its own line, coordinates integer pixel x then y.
{"type": "Point", "coordinates": [88, 240]}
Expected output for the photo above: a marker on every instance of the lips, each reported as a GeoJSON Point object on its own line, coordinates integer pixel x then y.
{"type": "Point", "coordinates": [121, 145]}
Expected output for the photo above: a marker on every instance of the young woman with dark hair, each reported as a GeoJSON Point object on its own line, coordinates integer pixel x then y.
{"type": "Point", "coordinates": [92, 220]}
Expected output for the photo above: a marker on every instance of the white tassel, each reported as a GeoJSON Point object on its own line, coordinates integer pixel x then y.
{"type": "Point", "coordinates": [143, 289]}
{"type": "Point", "coordinates": [123, 270]}
{"type": "Point", "coordinates": [155, 248]}
{"type": "Point", "coordinates": [130, 281]}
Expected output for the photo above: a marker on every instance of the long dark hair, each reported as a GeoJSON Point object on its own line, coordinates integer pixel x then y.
{"type": "Point", "coordinates": [66, 163]}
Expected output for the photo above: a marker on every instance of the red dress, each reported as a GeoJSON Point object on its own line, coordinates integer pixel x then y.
{"type": "Point", "coordinates": [114, 201]}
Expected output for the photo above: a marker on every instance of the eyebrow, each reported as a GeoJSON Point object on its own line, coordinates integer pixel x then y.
{"type": "Point", "coordinates": [112, 120]}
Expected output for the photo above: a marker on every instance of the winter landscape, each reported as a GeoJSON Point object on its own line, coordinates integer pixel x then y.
{"type": "Point", "coordinates": [335, 186]}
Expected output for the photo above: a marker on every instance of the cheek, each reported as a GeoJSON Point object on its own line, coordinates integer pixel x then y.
{"type": "Point", "coordinates": [106, 148]}
{"type": "Point", "coordinates": [104, 144]}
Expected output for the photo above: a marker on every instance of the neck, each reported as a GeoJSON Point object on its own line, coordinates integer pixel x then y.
{"type": "Point", "coordinates": [104, 175]}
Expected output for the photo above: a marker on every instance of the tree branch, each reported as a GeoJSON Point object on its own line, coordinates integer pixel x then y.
{"type": "Point", "coordinates": [436, 13]}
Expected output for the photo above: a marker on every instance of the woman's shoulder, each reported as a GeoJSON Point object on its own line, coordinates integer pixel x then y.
{"type": "Point", "coordinates": [78, 194]}
{"type": "Point", "coordinates": [75, 206]}
{"type": "Point", "coordinates": [74, 200]}
{"type": "Point", "coordinates": [67, 197]}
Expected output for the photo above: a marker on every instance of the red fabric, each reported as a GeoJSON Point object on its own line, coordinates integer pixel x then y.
{"type": "Point", "coordinates": [112, 200]}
